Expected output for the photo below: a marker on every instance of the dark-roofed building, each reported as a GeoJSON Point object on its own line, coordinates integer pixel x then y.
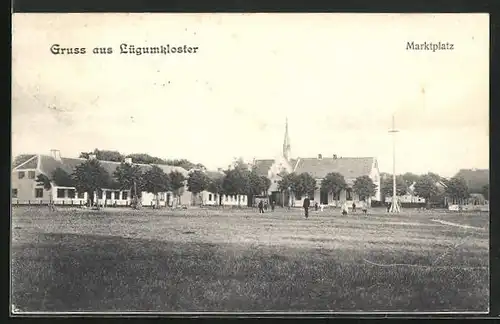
{"type": "Point", "coordinates": [26, 190]}
{"type": "Point", "coordinates": [318, 167]}
{"type": "Point", "coordinates": [350, 167]}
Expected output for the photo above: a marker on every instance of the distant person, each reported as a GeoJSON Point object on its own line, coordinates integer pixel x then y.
{"type": "Point", "coordinates": [353, 207]}
{"type": "Point", "coordinates": [273, 203]}
{"type": "Point", "coordinates": [306, 204]}
{"type": "Point", "coordinates": [265, 205]}
{"type": "Point", "coordinates": [364, 208]}
{"type": "Point", "coordinates": [316, 206]}
{"type": "Point", "coordinates": [344, 208]}
{"type": "Point", "coordinates": [261, 207]}
{"type": "Point", "coordinates": [388, 207]}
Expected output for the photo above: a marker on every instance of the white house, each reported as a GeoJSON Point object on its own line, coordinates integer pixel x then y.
{"type": "Point", "coordinates": [25, 190]}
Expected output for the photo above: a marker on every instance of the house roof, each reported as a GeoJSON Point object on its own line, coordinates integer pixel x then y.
{"type": "Point", "coordinates": [475, 178]}
{"type": "Point", "coordinates": [48, 164]}
{"type": "Point", "coordinates": [350, 168]}
{"type": "Point", "coordinates": [263, 166]}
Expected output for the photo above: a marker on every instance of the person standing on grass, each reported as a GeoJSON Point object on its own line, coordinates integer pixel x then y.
{"type": "Point", "coordinates": [272, 205]}
{"type": "Point", "coordinates": [306, 205]}
{"type": "Point", "coordinates": [261, 207]}
{"type": "Point", "coordinates": [353, 207]}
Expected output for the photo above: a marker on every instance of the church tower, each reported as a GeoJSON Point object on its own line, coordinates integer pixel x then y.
{"type": "Point", "coordinates": [286, 143]}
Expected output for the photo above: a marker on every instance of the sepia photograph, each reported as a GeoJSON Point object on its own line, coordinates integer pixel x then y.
{"type": "Point", "coordinates": [250, 163]}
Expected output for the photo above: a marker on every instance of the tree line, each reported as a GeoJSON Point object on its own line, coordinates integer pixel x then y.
{"type": "Point", "coordinates": [141, 158]}
{"type": "Point", "coordinates": [426, 187]}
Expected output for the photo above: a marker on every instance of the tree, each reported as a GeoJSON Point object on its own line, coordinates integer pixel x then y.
{"type": "Point", "coordinates": [333, 183]}
{"type": "Point", "coordinates": [155, 180]}
{"type": "Point", "coordinates": [387, 186]}
{"type": "Point", "coordinates": [237, 181]}
{"type": "Point", "coordinates": [104, 155]}
{"type": "Point", "coordinates": [91, 177]}
{"type": "Point", "coordinates": [43, 180]}
{"type": "Point", "coordinates": [306, 184]}
{"type": "Point", "coordinates": [259, 185]}
{"type": "Point", "coordinates": [456, 188]}
{"type": "Point", "coordinates": [20, 159]}
{"type": "Point", "coordinates": [426, 188]}
{"type": "Point", "coordinates": [287, 183]}
{"type": "Point", "coordinates": [129, 177]}
{"type": "Point", "coordinates": [197, 182]}
{"type": "Point", "coordinates": [177, 182]}
{"type": "Point", "coordinates": [434, 176]}
{"type": "Point", "coordinates": [410, 178]}
{"type": "Point", "coordinates": [216, 186]}
{"type": "Point", "coordinates": [486, 191]}
{"type": "Point", "coordinates": [265, 183]}
{"type": "Point", "coordinates": [364, 187]}
{"type": "Point", "coordinates": [62, 178]}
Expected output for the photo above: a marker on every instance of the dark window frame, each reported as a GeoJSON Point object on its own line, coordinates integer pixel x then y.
{"type": "Point", "coordinates": [37, 192]}
{"type": "Point", "coordinates": [63, 193]}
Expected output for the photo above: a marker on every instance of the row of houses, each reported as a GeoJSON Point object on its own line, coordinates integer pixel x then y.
{"type": "Point", "coordinates": [26, 190]}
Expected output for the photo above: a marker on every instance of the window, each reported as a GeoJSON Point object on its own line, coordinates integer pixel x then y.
{"type": "Point", "coordinates": [60, 193]}
{"type": "Point", "coordinates": [71, 193]}
{"type": "Point", "coordinates": [209, 197]}
{"type": "Point", "coordinates": [108, 194]}
{"type": "Point", "coordinates": [38, 193]}
{"type": "Point", "coordinates": [215, 197]}
{"type": "Point", "coordinates": [227, 198]}
{"type": "Point", "coordinates": [14, 193]}
{"type": "Point", "coordinates": [244, 198]}
{"type": "Point", "coordinates": [21, 175]}
{"type": "Point", "coordinates": [31, 174]}
{"type": "Point", "coordinates": [162, 196]}
{"type": "Point", "coordinates": [81, 195]}
{"type": "Point", "coordinates": [124, 195]}
{"type": "Point", "coordinates": [117, 195]}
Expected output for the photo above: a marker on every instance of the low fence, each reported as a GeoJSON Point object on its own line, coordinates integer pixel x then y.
{"type": "Point", "coordinates": [67, 202]}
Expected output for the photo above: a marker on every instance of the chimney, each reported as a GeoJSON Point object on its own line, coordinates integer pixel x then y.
{"type": "Point", "coordinates": [92, 156]}
{"type": "Point", "coordinates": [56, 154]}
{"type": "Point", "coordinates": [320, 156]}
{"type": "Point", "coordinates": [128, 160]}
{"type": "Point", "coordinates": [335, 156]}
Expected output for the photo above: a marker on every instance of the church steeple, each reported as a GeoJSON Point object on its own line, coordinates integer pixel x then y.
{"type": "Point", "coordinates": [286, 143]}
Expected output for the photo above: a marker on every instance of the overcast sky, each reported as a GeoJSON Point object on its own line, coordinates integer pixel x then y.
{"type": "Point", "coordinates": [338, 77]}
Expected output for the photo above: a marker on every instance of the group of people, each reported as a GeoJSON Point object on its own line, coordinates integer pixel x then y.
{"type": "Point", "coordinates": [345, 209]}
{"type": "Point", "coordinates": [263, 205]}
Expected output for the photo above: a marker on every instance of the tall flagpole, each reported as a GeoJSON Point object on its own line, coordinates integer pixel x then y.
{"type": "Point", "coordinates": [394, 205]}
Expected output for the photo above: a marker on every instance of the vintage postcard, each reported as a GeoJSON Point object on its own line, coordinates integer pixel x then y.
{"type": "Point", "coordinates": [250, 163]}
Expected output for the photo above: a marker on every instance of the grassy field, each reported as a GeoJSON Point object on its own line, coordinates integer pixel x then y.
{"type": "Point", "coordinates": [237, 260]}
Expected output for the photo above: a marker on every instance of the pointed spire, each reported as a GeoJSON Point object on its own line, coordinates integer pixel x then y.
{"type": "Point", "coordinates": [286, 142]}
